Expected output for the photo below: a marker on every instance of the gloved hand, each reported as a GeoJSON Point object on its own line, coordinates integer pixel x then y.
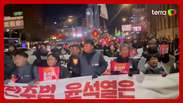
{"type": "Point", "coordinates": [94, 76]}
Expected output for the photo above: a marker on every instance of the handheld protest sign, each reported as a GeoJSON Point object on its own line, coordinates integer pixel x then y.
{"type": "Point", "coordinates": [49, 73]}
{"type": "Point", "coordinates": [164, 48]}
{"type": "Point", "coordinates": [121, 67]}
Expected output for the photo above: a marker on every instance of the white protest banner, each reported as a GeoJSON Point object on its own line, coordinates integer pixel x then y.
{"type": "Point", "coordinates": [157, 87]}
{"type": "Point", "coordinates": [103, 87]}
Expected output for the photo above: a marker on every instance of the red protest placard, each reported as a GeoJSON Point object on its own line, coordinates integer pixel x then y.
{"type": "Point", "coordinates": [121, 67]}
{"type": "Point", "coordinates": [49, 73]}
{"type": "Point", "coordinates": [164, 48]}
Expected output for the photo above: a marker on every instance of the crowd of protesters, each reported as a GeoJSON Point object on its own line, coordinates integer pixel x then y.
{"type": "Point", "coordinates": [88, 59]}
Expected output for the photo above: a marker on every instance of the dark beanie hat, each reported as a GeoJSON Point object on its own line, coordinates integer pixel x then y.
{"type": "Point", "coordinates": [89, 41]}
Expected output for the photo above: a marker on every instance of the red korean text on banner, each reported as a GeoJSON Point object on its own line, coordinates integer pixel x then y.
{"type": "Point", "coordinates": [121, 67]}
{"type": "Point", "coordinates": [73, 91]}
{"type": "Point", "coordinates": [30, 92]}
{"type": "Point", "coordinates": [92, 89]}
{"type": "Point", "coordinates": [49, 73]}
{"type": "Point", "coordinates": [108, 89]}
{"type": "Point", "coordinates": [126, 89]}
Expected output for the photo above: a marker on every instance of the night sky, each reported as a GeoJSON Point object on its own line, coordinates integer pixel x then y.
{"type": "Point", "coordinates": [37, 17]}
{"type": "Point", "coordinates": [55, 12]}
{"type": "Point", "coordinates": [50, 12]}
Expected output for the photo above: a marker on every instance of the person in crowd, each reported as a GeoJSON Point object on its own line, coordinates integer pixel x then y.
{"type": "Point", "coordinates": [129, 40]}
{"type": "Point", "coordinates": [54, 65]}
{"type": "Point", "coordinates": [63, 51]}
{"type": "Point", "coordinates": [167, 59]}
{"type": "Point", "coordinates": [175, 68]}
{"type": "Point", "coordinates": [152, 65]}
{"type": "Point", "coordinates": [43, 49]}
{"type": "Point", "coordinates": [41, 55]}
{"type": "Point", "coordinates": [9, 66]}
{"type": "Point", "coordinates": [106, 50]}
{"type": "Point", "coordinates": [137, 44]}
{"type": "Point", "coordinates": [37, 53]}
{"type": "Point", "coordinates": [53, 61]}
{"type": "Point", "coordinates": [151, 47]}
{"type": "Point", "coordinates": [24, 72]}
{"type": "Point", "coordinates": [63, 55]}
{"type": "Point", "coordinates": [124, 57]}
{"type": "Point", "coordinates": [56, 51]}
{"type": "Point", "coordinates": [112, 51]}
{"type": "Point", "coordinates": [12, 49]}
{"type": "Point", "coordinates": [97, 45]}
{"type": "Point", "coordinates": [73, 62]}
{"type": "Point", "coordinates": [91, 63]}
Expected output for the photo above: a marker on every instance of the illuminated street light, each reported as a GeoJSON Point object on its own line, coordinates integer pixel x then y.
{"type": "Point", "coordinates": [55, 22]}
{"type": "Point", "coordinates": [124, 19]}
{"type": "Point", "coordinates": [142, 18]}
{"type": "Point", "coordinates": [70, 20]}
{"type": "Point", "coordinates": [7, 30]}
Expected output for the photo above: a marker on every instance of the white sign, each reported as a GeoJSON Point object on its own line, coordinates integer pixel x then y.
{"type": "Point", "coordinates": [126, 27]}
{"type": "Point", "coordinates": [104, 87]}
{"type": "Point", "coordinates": [129, 27]}
{"type": "Point", "coordinates": [136, 28]}
{"type": "Point", "coordinates": [14, 22]}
